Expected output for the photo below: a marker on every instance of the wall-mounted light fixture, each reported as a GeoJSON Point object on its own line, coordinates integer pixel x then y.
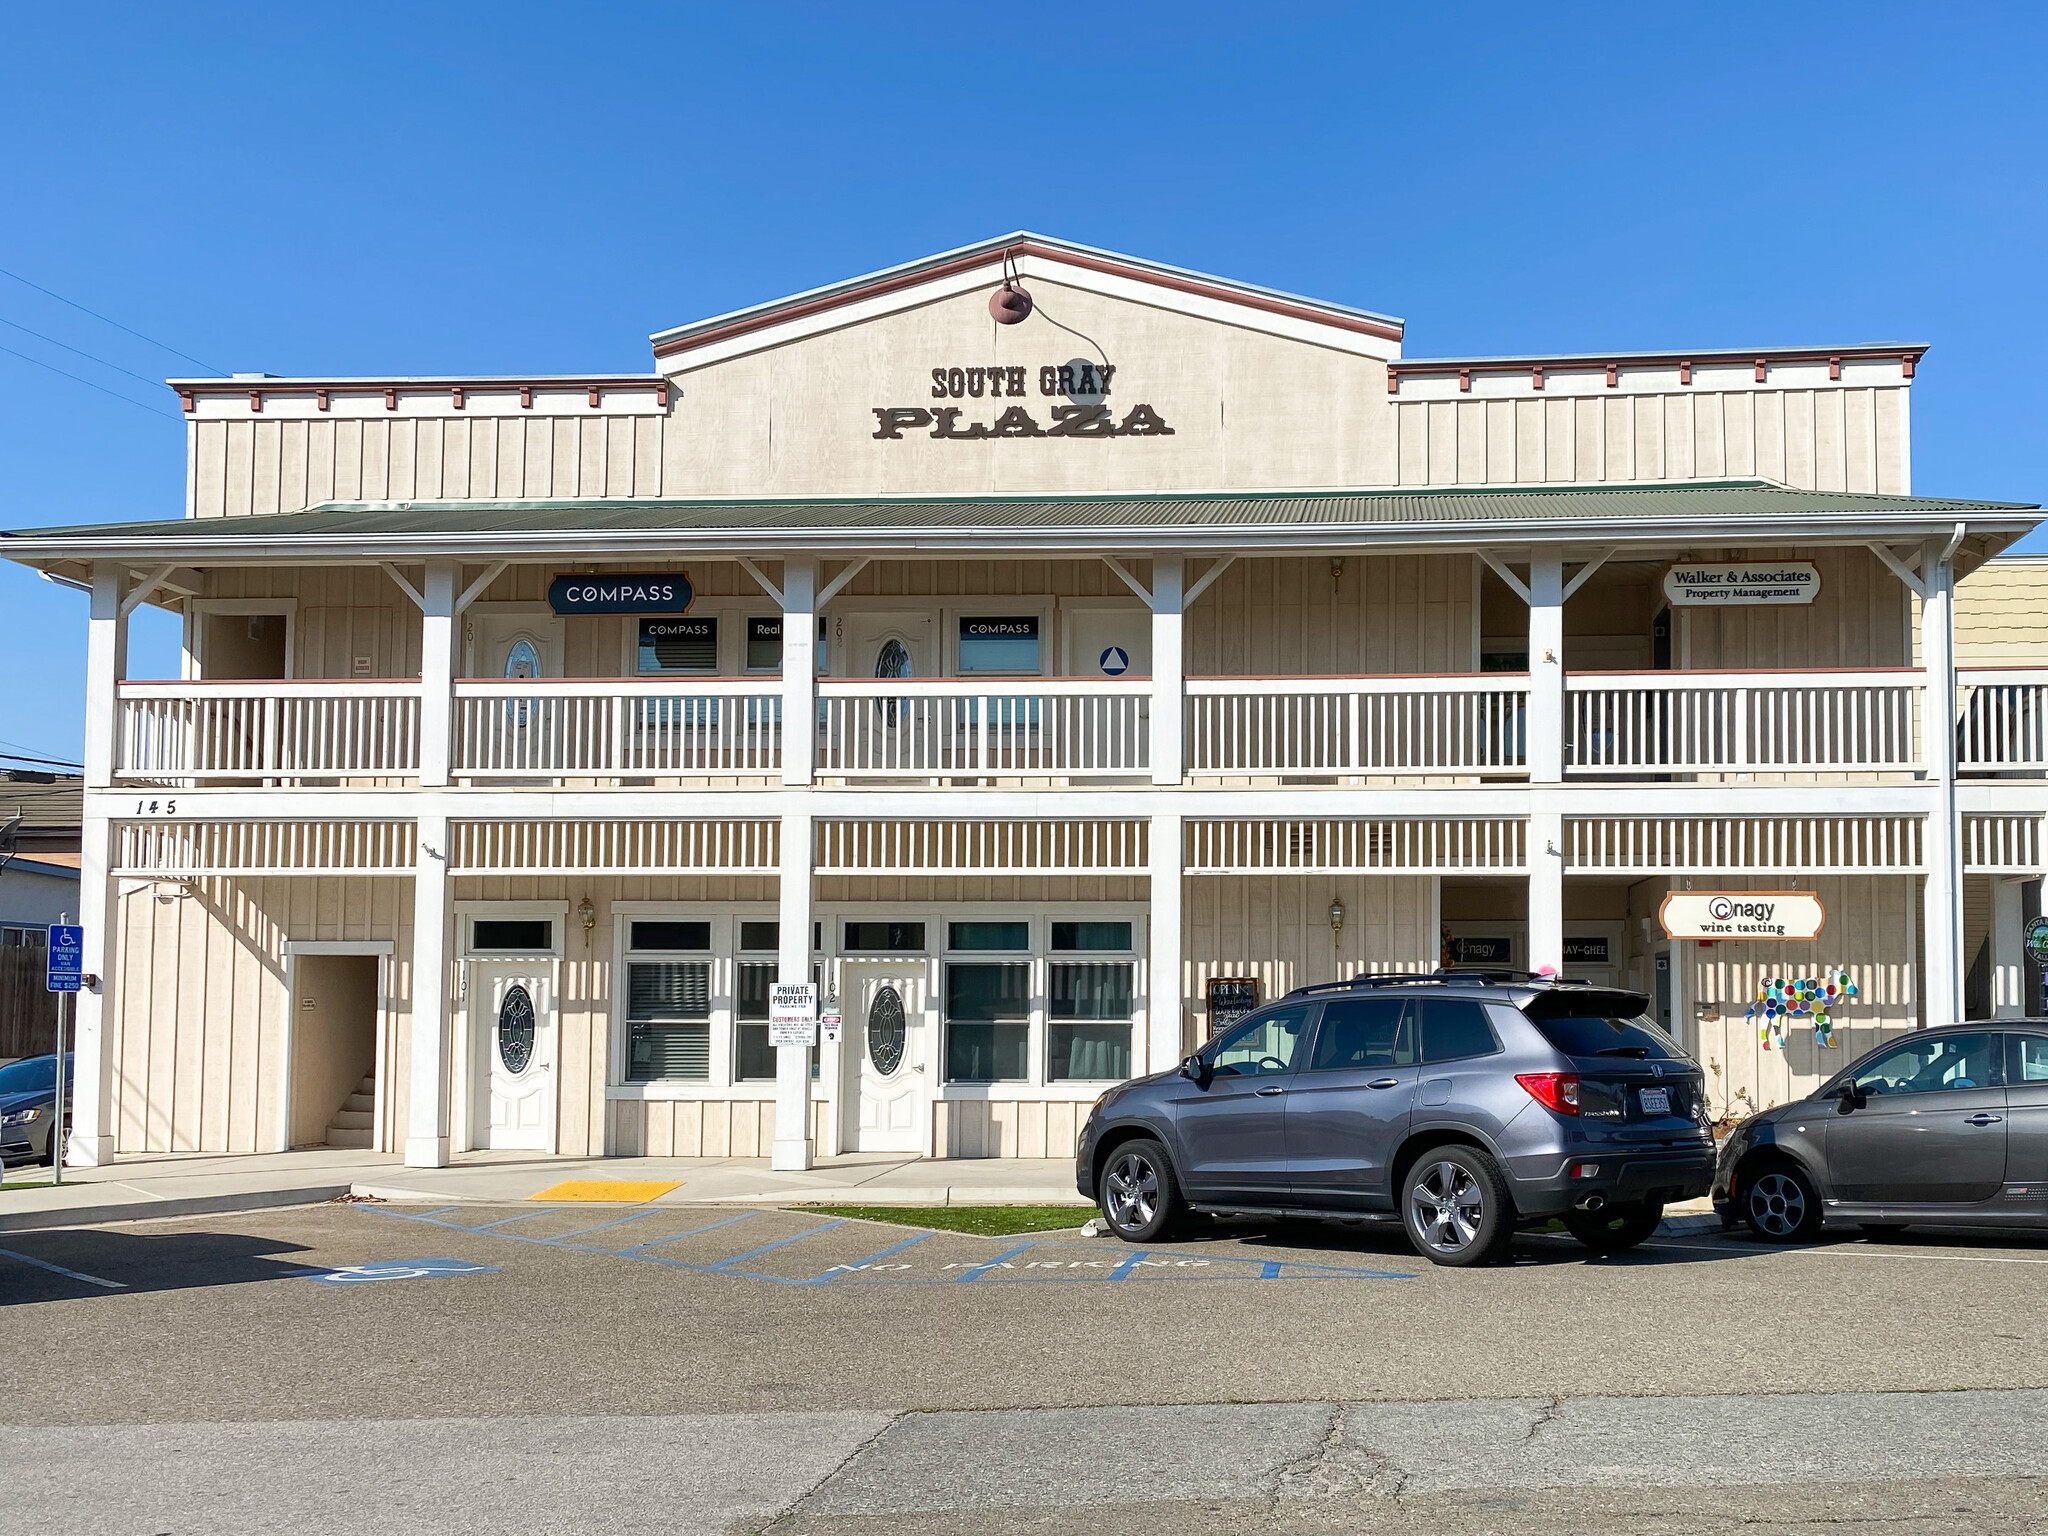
{"type": "Point", "coordinates": [588, 913]}
{"type": "Point", "coordinates": [1336, 567]}
{"type": "Point", "coordinates": [1336, 921]}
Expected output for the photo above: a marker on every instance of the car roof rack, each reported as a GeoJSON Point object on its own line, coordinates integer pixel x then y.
{"type": "Point", "coordinates": [1372, 979]}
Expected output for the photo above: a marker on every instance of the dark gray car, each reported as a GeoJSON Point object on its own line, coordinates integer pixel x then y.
{"type": "Point", "coordinates": [1940, 1126]}
{"type": "Point", "coordinates": [1460, 1105]}
{"type": "Point", "coordinates": [28, 1107]}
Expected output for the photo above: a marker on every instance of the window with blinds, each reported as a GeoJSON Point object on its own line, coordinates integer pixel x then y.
{"type": "Point", "coordinates": [1088, 1020]}
{"type": "Point", "coordinates": [668, 1013]}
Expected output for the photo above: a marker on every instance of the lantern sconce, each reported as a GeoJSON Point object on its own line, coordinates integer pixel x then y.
{"type": "Point", "coordinates": [588, 913]}
{"type": "Point", "coordinates": [1336, 921]}
{"type": "Point", "coordinates": [1336, 567]}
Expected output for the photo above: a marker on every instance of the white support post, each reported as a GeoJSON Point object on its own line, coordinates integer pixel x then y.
{"type": "Point", "coordinates": [90, 1142]}
{"type": "Point", "coordinates": [1168, 670]}
{"type": "Point", "coordinates": [799, 681]}
{"type": "Point", "coordinates": [438, 614]}
{"type": "Point", "coordinates": [1546, 890]}
{"type": "Point", "coordinates": [1164, 1003]}
{"type": "Point", "coordinates": [1546, 671]}
{"type": "Point", "coordinates": [1942, 890]}
{"type": "Point", "coordinates": [2008, 948]}
{"type": "Point", "coordinates": [426, 1122]}
{"type": "Point", "coordinates": [791, 1151]}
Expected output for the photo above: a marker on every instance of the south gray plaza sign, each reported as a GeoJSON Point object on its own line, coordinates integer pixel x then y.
{"type": "Point", "coordinates": [1083, 388]}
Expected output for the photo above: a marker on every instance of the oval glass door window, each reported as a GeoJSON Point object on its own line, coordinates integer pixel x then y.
{"type": "Point", "coordinates": [522, 661]}
{"type": "Point", "coordinates": [892, 661]}
{"type": "Point", "coordinates": [885, 1031]}
{"type": "Point", "coordinates": [515, 1030]}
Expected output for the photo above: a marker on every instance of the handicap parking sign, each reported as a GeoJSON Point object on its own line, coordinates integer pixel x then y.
{"type": "Point", "coordinates": [66, 966]}
{"type": "Point", "coordinates": [399, 1269]}
{"type": "Point", "coordinates": [1115, 661]}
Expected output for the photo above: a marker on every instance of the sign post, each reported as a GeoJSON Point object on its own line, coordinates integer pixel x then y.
{"type": "Point", "coordinates": [64, 974]}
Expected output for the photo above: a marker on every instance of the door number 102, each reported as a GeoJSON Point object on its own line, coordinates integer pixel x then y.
{"type": "Point", "coordinates": [156, 807]}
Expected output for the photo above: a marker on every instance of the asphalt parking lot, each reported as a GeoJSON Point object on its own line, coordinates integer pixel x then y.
{"type": "Point", "coordinates": [556, 1325]}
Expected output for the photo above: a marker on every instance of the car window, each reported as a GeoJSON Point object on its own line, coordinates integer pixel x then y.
{"type": "Point", "coordinates": [1930, 1066]}
{"type": "Point", "coordinates": [1359, 1033]}
{"type": "Point", "coordinates": [1455, 1029]}
{"type": "Point", "coordinates": [36, 1075]}
{"type": "Point", "coordinates": [1260, 1046]}
{"type": "Point", "coordinates": [2026, 1059]}
{"type": "Point", "coordinates": [1584, 1034]}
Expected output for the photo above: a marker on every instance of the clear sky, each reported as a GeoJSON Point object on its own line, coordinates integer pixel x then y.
{"type": "Point", "coordinates": [510, 187]}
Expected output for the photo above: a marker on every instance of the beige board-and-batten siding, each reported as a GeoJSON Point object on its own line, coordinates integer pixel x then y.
{"type": "Point", "coordinates": [202, 1002]}
{"type": "Point", "coordinates": [1872, 931]}
{"type": "Point", "coordinates": [1839, 438]}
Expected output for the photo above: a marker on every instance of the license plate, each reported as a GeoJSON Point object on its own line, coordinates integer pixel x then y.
{"type": "Point", "coordinates": [1656, 1101]}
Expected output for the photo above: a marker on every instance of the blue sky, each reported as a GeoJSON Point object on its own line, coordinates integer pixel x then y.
{"type": "Point", "coordinates": [518, 188]}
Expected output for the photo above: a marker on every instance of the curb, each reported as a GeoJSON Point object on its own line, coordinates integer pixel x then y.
{"type": "Point", "coordinates": [1683, 1226]}
{"type": "Point", "coordinates": [160, 1210]}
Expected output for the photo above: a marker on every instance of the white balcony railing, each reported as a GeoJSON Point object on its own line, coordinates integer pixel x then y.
{"type": "Point", "coordinates": [1623, 723]}
{"type": "Point", "coordinates": [1393, 726]}
{"type": "Point", "coordinates": [941, 728]}
{"type": "Point", "coordinates": [2001, 720]}
{"type": "Point", "coordinates": [549, 728]}
{"type": "Point", "coordinates": [185, 732]}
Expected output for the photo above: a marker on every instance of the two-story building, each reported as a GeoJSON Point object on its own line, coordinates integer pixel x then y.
{"type": "Point", "coordinates": [1049, 681]}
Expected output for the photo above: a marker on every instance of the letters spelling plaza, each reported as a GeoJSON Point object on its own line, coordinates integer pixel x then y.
{"type": "Point", "coordinates": [548, 751]}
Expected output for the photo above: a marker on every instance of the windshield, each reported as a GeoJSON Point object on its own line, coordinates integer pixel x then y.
{"type": "Point", "coordinates": [38, 1074]}
{"type": "Point", "coordinates": [1575, 1030]}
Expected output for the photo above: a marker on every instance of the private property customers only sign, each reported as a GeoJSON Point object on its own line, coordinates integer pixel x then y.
{"type": "Point", "coordinates": [793, 1013]}
{"type": "Point", "coordinates": [1742, 915]}
{"type": "Point", "coordinates": [1743, 585]}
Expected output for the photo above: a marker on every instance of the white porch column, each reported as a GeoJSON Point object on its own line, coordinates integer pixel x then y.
{"type": "Point", "coordinates": [799, 690]}
{"type": "Point", "coordinates": [90, 1140]}
{"type": "Point", "coordinates": [1545, 742]}
{"type": "Point", "coordinates": [792, 1147]}
{"type": "Point", "coordinates": [1164, 1004]}
{"type": "Point", "coordinates": [2008, 948]}
{"type": "Point", "coordinates": [437, 674]}
{"type": "Point", "coordinates": [1942, 891]}
{"type": "Point", "coordinates": [1546, 889]}
{"type": "Point", "coordinates": [426, 1113]}
{"type": "Point", "coordinates": [1169, 669]}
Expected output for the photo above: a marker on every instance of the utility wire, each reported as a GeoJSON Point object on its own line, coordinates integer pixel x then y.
{"type": "Point", "coordinates": [88, 356]}
{"type": "Point", "coordinates": [117, 325]}
{"type": "Point", "coordinates": [53, 762]}
{"type": "Point", "coordinates": [88, 383]}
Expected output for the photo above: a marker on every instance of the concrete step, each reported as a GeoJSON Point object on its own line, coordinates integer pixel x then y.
{"type": "Point", "coordinates": [337, 1137]}
{"type": "Point", "coordinates": [349, 1120]}
{"type": "Point", "coordinates": [363, 1103]}
{"type": "Point", "coordinates": [367, 1085]}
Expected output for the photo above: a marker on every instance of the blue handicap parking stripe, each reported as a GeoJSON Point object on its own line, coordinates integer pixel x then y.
{"type": "Point", "coordinates": [780, 1242]}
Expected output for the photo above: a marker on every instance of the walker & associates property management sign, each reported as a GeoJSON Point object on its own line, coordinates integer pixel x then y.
{"type": "Point", "coordinates": [1742, 584]}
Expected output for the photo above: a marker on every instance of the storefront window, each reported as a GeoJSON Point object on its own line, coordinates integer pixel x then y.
{"type": "Point", "coordinates": [999, 644]}
{"type": "Point", "coordinates": [1004, 935]}
{"type": "Point", "coordinates": [1088, 1013]}
{"type": "Point", "coordinates": [679, 645]}
{"type": "Point", "coordinates": [754, 1057]}
{"type": "Point", "coordinates": [884, 938]}
{"type": "Point", "coordinates": [668, 1013]}
{"type": "Point", "coordinates": [988, 1023]}
{"type": "Point", "coordinates": [764, 645]}
{"type": "Point", "coordinates": [1115, 937]}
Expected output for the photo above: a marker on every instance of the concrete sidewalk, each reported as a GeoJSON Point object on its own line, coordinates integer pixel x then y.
{"type": "Point", "coordinates": [142, 1187]}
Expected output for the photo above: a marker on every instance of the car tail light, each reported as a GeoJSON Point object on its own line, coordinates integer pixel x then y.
{"type": "Point", "coordinates": [1555, 1091]}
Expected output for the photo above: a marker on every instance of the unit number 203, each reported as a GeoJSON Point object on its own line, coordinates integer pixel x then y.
{"type": "Point", "coordinates": [156, 807]}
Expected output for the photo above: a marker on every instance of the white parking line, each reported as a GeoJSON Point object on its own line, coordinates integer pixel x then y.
{"type": "Point", "coordinates": [1853, 1246]}
{"type": "Point", "coordinates": [59, 1269]}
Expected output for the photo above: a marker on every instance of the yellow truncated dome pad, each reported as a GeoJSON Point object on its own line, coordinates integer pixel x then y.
{"type": "Point", "coordinates": [618, 1191]}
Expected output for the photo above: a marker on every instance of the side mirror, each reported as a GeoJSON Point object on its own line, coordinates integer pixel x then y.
{"type": "Point", "coordinates": [1196, 1070]}
{"type": "Point", "coordinates": [1850, 1098]}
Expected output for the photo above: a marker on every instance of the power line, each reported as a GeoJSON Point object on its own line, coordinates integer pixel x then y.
{"type": "Point", "coordinates": [88, 383]}
{"type": "Point", "coordinates": [117, 325]}
{"type": "Point", "coordinates": [89, 356]}
{"type": "Point", "coordinates": [53, 762]}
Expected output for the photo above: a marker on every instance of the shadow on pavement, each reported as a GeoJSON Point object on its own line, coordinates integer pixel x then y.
{"type": "Point", "coordinates": [75, 1264]}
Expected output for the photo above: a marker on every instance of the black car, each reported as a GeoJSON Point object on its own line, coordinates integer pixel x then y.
{"type": "Point", "coordinates": [1943, 1126]}
{"type": "Point", "coordinates": [28, 1107]}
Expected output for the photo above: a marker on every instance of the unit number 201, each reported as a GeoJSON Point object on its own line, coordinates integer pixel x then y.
{"type": "Point", "coordinates": [156, 807]}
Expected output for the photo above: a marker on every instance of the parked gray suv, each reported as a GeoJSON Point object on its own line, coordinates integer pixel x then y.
{"type": "Point", "coordinates": [1461, 1105]}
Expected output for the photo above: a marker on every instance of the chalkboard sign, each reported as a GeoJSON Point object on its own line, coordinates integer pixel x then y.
{"type": "Point", "coordinates": [1230, 999]}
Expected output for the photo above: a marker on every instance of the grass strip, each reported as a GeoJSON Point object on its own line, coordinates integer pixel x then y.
{"type": "Point", "coordinates": [976, 1220]}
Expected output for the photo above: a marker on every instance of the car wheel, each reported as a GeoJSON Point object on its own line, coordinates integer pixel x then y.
{"type": "Point", "coordinates": [1614, 1228]}
{"type": "Point", "coordinates": [50, 1146]}
{"type": "Point", "coordinates": [1781, 1205]}
{"type": "Point", "coordinates": [1457, 1209]}
{"type": "Point", "coordinates": [1140, 1198]}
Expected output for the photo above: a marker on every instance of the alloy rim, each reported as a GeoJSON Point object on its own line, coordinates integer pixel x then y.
{"type": "Point", "coordinates": [1132, 1192]}
{"type": "Point", "coordinates": [1447, 1207]}
{"type": "Point", "coordinates": [1777, 1204]}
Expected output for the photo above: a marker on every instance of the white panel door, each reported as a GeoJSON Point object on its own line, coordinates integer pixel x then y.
{"type": "Point", "coordinates": [887, 645]}
{"type": "Point", "coordinates": [887, 1033]}
{"type": "Point", "coordinates": [512, 1038]}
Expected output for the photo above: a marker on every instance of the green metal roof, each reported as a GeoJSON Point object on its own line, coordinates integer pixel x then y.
{"type": "Point", "coordinates": [391, 529]}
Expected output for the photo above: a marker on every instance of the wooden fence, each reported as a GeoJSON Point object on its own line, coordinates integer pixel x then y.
{"type": "Point", "coordinates": [28, 1013]}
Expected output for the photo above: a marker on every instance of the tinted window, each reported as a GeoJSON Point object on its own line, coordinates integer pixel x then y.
{"type": "Point", "coordinates": [760, 935]}
{"type": "Point", "coordinates": [1359, 1033]}
{"type": "Point", "coordinates": [884, 938]}
{"type": "Point", "coordinates": [1930, 1066]}
{"type": "Point", "coordinates": [670, 935]}
{"type": "Point", "coordinates": [1111, 936]}
{"type": "Point", "coordinates": [2026, 1060]}
{"type": "Point", "coordinates": [36, 1075]}
{"type": "Point", "coordinates": [522, 935]}
{"type": "Point", "coordinates": [988, 935]}
{"type": "Point", "coordinates": [1587, 1034]}
{"type": "Point", "coordinates": [1260, 1046]}
{"type": "Point", "coordinates": [1454, 1030]}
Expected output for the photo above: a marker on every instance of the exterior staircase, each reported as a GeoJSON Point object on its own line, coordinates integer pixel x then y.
{"type": "Point", "coordinates": [352, 1125]}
